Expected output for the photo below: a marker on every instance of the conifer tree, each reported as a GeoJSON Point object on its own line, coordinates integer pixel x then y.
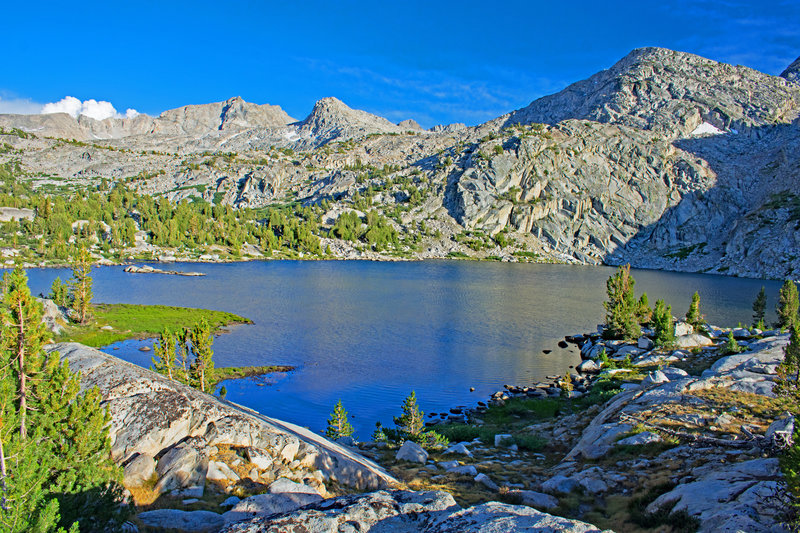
{"type": "Point", "coordinates": [338, 425]}
{"type": "Point", "coordinates": [412, 421]}
{"type": "Point", "coordinates": [643, 312]}
{"type": "Point", "coordinates": [760, 308]}
{"type": "Point", "coordinates": [663, 324]}
{"type": "Point", "coordinates": [164, 354]}
{"type": "Point", "coordinates": [82, 286]}
{"type": "Point", "coordinates": [693, 315]}
{"type": "Point", "coordinates": [788, 305]}
{"type": "Point", "coordinates": [731, 346]}
{"type": "Point", "coordinates": [621, 305]}
{"type": "Point", "coordinates": [59, 293]}
{"type": "Point", "coordinates": [55, 455]}
{"type": "Point", "coordinates": [788, 382]}
{"type": "Point", "coordinates": [201, 372]}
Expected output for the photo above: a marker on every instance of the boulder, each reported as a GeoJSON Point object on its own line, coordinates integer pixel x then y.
{"type": "Point", "coordinates": [645, 343]}
{"type": "Point", "coordinates": [683, 328]}
{"type": "Point", "coordinates": [502, 439]}
{"type": "Point", "coordinates": [459, 448]}
{"type": "Point", "coordinates": [692, 341]}
{"type": "Point", "coordinates": [781, 430]}
{"type": "Point", "coordinates": [219, 471]}
{"type": "Point", "coordinates": [588, 367]}
{"type": "Point", "coordinates": [654, 378]}
{"type": "Point", "coordinates": [466, 470]}
{"type": "Point", "coordinates": [494, 517]}
{"type": "Point", "coordinates": [412, 452]}
{"type": "Point", "coordinates": [447, 465]}
{"type": "Point", "coordinates": [536, 499]}
{"type": "Point", "coordinates": [741, 333]}
{"type": "Point", "coordinates": [183, 521]}
{"type": "Point", "coordinates": [181, 467]}
{"type": "Point", "coordinates": [258, 457]}
{"type": "Point", "coordinates": [559, 485]}
{"type": "Point", "coordinates": [138, 470]}
{"type": "Point", "coordinates": [487, 482]}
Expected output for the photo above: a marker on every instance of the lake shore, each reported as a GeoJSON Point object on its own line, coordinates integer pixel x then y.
{"type": "Point", "coordinates": [634, 438]}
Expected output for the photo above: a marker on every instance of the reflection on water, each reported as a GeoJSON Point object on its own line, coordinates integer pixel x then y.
{"type": "Point", "coordinates": [369, 333]}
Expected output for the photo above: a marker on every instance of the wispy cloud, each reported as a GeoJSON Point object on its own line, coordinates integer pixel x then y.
{"type": "Point", "coordinates": [434, 96]}
{"type": "Point", "coordinates": [19, 106]}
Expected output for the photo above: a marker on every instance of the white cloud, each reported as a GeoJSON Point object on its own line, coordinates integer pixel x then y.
{"type": "Point", "coordinates": [98, 110]}
{"type": "Point", "coordinates": [19, 106]}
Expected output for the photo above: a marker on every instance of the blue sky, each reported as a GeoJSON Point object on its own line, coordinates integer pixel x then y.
{"type": "Point", "coordinates": [435, 62]}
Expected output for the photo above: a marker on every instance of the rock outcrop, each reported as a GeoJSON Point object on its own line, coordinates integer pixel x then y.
{"type": "Point", "coordinates": [183, 429]}
{"type": "Point", "coordinates": [408, 511]}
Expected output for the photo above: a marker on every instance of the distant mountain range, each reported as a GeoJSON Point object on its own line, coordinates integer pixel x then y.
{"type": "Point", "coordinates": [665, 160]}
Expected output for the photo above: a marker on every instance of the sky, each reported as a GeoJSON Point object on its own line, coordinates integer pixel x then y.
{"type": "Point", "coordinates": [436, 62]}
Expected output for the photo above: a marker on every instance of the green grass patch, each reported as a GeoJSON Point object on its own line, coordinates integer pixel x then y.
{"type": "Point", "coordinates": [238, 372]}
{"type": "Point", "coordinates": [457, 255]}
{"type": "Point", "coordinates": [142, 321]}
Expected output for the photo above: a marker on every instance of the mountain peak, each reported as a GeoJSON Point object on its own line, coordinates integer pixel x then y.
{"type": "Point", "coordinates": [331, 119]}
{"type": "Point", "coordinates": [792, 72]}
{"type": "Point", "coordinates": [670, 92]}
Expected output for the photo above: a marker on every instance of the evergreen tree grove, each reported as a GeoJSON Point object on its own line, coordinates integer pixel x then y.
{"type": "Point", "coordinates": [621, 307]}
{"type": "Point", "coordinates": [788, 305]}
{"type": "Point", "coordinates": [643, 312]}
{"type": "Point", "coordinates": [55, 454]}
{"type": "Point", "coordinates": [338, 425]}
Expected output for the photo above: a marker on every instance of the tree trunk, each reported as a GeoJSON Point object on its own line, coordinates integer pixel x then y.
{"type": "Point", "coordinates": [3, 503]}
{"type": "Point", "coordinates": [23, 388]}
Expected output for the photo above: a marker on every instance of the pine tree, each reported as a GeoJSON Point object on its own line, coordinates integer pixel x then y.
{"type": "Point", "coordinates": [663, 325]}
{"type": "Point", "coordinates": [621, 305]}
{"type": "Point", "coordinates": [643, 312]}
{"type": "Point", "coordinates": [787, 305]}
{"type": "Point", "coordinates": [731, 346]}
{"type": "Point", "coordinates": [55, 454]}
{"type": "Point", "coordinates": [59, 293]}
{"type": "Point", "coordinates": [82, 286]}
{"type": "Point", "coordinates": [164, 354]}
{"type": "Point", "coordinates": [788, 382]}
{"type": "Point", "coordinates": [693, 315]}
{"type": "Point", "coordinates": [201, 372]}
{"type": "Point", "coordinates": [412, 421]}
{"type": "Point", "coordinates": [338, 425]}
{"type": "Point", "coordinates": [760, 309]}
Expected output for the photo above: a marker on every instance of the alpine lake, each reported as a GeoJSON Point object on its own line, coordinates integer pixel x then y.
{"type": "Point", "coordinates": [369, 333]}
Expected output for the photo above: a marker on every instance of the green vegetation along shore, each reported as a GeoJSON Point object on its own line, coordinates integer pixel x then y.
{"type": "Point", "coordinates": [119, 322]}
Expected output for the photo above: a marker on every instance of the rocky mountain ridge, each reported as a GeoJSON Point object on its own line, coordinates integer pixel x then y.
{"type": "Point", "coordinates": [665, 160]}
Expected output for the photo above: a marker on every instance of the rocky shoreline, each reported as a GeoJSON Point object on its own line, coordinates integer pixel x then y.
{"type": "Point", "coordinates": [688, 435]}
{"type": "Point", "coordinates": [691, 437]}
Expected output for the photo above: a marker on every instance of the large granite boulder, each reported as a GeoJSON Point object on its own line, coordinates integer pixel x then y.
{"type": "Point", "coordinates": [152, 415]}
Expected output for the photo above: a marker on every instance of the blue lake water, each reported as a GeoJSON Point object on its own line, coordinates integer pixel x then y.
{"type": "Point", "coordinates": [368, 333]}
